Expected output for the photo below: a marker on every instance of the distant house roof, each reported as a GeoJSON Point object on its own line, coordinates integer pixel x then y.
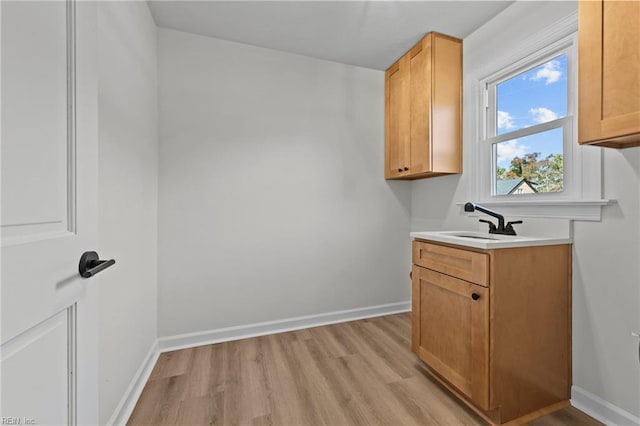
{"type": "Point", "coordinates": [509, 186]}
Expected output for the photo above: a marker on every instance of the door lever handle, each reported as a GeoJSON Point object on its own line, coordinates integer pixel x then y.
{"type": "Point", "coordinates": [90, 264]}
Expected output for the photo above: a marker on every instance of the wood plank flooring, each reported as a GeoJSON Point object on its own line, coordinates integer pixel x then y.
{"type": "Point", "coordinates": [355, 373]}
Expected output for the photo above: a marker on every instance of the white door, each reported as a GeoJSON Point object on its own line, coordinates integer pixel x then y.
{"type": "Point", "coordinates": [49, 212]}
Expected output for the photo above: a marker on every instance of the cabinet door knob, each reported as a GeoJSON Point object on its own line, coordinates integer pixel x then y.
{"type": "Point", "coordinates": [475, 296]}
{"type": "Point", "coordinates": [400, 170]}
{"type": "Point", "coordinates": [406, 168]}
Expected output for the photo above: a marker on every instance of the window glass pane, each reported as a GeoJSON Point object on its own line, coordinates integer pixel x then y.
{"type": "Point", "coordinates": [532, 97]}
{"type": "Point", "coordinates": [530, 164]}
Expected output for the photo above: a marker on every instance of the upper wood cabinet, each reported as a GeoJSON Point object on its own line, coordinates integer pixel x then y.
{"type": "Point", "coordinates": [423, 110]}
{"type": "Point", "coordinates": [609, 73]}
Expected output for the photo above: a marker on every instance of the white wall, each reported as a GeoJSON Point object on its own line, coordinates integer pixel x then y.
{"type": "Point", "coordinates": [128, 173]}
{"type": "Point", "coordinates": [606, 268]}
{"type": "Point", "coordinates": [272, 201]}
{"type": "Point", "coordinates": [606, 289]}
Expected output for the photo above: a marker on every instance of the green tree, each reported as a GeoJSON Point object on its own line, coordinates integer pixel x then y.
{"type": "Point", "coordinates": [545, 175]}
{"type": "Point", "coordinates": [526, 166]}
{"type": "Point", "coordinates": [550, 174]}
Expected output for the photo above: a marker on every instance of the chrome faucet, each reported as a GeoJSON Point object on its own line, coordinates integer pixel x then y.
{"type": "Point", "coordinates": [501, 228]}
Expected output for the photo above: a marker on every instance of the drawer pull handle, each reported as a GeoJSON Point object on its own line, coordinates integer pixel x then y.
{"type": "Point", "coordinates": [475, 296]}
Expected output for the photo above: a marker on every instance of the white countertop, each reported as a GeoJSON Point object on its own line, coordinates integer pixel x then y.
{"type": "Point", "coordinates": [488, 241]}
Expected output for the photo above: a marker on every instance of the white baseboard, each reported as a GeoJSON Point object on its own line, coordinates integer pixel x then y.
{"type": "Point", "coordinates": [227, 334]}
{"type": "Point", "coordinates": [128, 402]}
{"type": "Point", "coordinates": [600, 409]}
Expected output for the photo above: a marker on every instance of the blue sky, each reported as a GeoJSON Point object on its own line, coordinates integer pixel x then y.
{"type": "Point", "coordinates": [536, 96]}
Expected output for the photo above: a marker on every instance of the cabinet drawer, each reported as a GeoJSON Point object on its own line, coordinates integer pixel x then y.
{"type": "Point", "coordinates": [464, 264]}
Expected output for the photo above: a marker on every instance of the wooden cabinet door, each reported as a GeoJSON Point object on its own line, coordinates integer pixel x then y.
{"type": "Point", "coordinates": [397, 132]}
{"type": "Point", "coordinates": [609, 73]}
{"type": "Point", "coordinates": [420, 83]}
{"type": "Point", "coordinates": [451, 331]}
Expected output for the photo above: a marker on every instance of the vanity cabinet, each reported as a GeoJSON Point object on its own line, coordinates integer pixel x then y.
{"type": "Point", "coordinates": [609, 73]}
{"type": "Point", "coordinates": [494, 326]}
{"type": "Point", "coordinates": [423, 110]}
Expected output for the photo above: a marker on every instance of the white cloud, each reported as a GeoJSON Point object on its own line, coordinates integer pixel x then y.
{"type": "Point", "coordinates": [542, 114]}
{"type": "Point", "coordinates": [505, 120]}
{"type": "Point", "coordinates": [550, 73]}
{"type": "Point", "coordinates": [510, 149]}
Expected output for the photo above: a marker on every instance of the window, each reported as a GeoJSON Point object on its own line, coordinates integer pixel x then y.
{"type": "Point", "coordinates": [529, 118]}
{"type": "Point", "coordinates": [523, 156]}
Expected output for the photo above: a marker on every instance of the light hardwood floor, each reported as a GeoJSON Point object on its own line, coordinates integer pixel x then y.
{"type": "Point", "coordinates": [355, 373]}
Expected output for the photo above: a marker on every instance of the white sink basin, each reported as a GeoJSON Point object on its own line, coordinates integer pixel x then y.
{"type": "Point", "coordinates": [474, 235]}
{"type": "Point", "coordinates": [486, 240]}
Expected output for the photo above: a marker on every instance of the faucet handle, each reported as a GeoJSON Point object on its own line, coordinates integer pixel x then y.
{"type": "Point", "coordinates": [492, 226]}
{"type": "Point", "coordinates": [508, 229]}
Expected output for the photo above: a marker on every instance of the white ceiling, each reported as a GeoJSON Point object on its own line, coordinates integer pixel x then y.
{"type": "Point", "coordinates": [370, 34]}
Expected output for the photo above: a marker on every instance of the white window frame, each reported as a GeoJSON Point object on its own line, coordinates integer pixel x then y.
{"type": "Point", "coordinates": [581, 198]}
{"type": "Point", "coordinates": [566, 46]}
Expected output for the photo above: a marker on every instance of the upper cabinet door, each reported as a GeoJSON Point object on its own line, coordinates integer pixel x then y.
{"type": "Point", "coordinates": [420, 72]}
{"type": "Point", "coordinates": [397, 119]}
{"type": "Point", "coordinates": [609, 73]}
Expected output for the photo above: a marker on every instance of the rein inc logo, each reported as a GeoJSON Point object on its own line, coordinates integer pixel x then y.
{"type": "Point", "coordinates": [17, 421]}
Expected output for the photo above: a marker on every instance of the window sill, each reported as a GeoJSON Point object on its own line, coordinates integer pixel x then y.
{"type": "Point", "coordinates": [584, 210]}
